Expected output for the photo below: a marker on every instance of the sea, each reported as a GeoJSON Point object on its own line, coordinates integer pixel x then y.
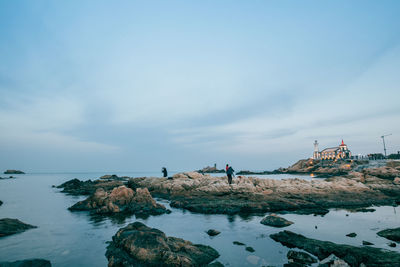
{"type": "Point", "coordinates": [79, 239]}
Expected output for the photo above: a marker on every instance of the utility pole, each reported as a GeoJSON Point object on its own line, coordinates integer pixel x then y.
{"type": "Point", "coordinates": [383, 139]}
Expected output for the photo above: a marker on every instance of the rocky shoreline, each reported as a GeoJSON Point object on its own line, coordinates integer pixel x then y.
{"type": "Point", "coordinates": [213, 195]}
{"type": "Point", "coordinates": [139, 245]}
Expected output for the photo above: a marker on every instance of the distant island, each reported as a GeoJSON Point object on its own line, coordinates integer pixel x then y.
{"type": "Point", "coordinates": [13, 172]}
{"type": "Point", "coordinates": [210, 169]}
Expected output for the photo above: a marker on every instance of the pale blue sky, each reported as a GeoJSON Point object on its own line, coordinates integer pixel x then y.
{"type": "Point", "coordinates": [137, 85]}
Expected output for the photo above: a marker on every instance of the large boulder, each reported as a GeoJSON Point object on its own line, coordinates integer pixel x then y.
{"type": "Point", "coordinates": [275, 221]}
{"type": "Point", "coordinates": [354, 256]}
{"type": "Point", "coordinates": [391, 234]}
{"type": "Point", "coordinates": [13, 172]}
{"type": "Point", "coordinates": [139, 245]}
{"type": "Point", "coordinates": [13, 226]}
{"type": "Point", "coordinates": [121, 200]}
{"type": "Point", "coordinates": [26, 263]}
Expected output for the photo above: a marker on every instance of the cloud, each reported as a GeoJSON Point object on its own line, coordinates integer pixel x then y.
{"type": "Point", "coordinates": [45, 123]}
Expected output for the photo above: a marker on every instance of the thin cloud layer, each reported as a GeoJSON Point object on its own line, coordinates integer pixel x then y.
{"type": "Point", "coordinates": [136, 86]}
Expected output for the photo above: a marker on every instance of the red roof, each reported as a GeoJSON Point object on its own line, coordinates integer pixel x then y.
{"type": "Point", "coordinates": [342, 144]}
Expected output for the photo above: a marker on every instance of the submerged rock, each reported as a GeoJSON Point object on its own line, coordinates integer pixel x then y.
{"type": "Point", "coordinates": [78, 187]}
{"type": "Point", "coordinates": [352, 235]}
{"type": "Point", "coordinates": [300, 257]}
{"type": "Point", "coordinates": [1, 202]}
{"type": "Point", "coordinates": [13, 226]}
{"type": "Point", "coordinates": [13, 172]}
{"type": "Point", "coordinates": [213, 232]}
{"type": "Point", "coordinates": [250, 249]}
{"type": "Point", "coordinates": [238, 243]}
{"type": "Point", "coordinates": [26, 263]}
{"type": "Point", "coordinates": [121, 200]}
{"type": "Point", "coordinates": [275, 221]}
{"type": "Point", "coordinates": [391, 234]}
{"type": "Point", "coordinates": [139, 245]}
{"type": "Point", "coordinates": [352, 255]}
{"type": "Point", "coordinates": [367, 243]}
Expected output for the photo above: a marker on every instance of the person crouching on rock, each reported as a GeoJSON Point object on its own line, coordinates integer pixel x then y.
{"type": "Point", "coordinates": [229, 173]}
{"type": "Point", "coordinates": [164, 171]}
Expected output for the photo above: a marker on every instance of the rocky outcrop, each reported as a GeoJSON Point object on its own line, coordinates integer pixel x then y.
{"type": "Point", "coordinates": [121, 200]}
{"type": "Point", "coordinates": [27, 263]}
{"type": "Point", "coordinates": [13, 172]}
{"type": "Point", "coordinates": [275, 221]}
{"type": "Point", "coordinates": [77, 187]}
{"type": "Point", "coordinates": [207, 194]}
{"type": "Point", "coordinates": [139, 245]}
{"type": "Point", "coordinates": [385, 172]}
{"type": "Point", "coordinates": [322, 168]}
{"type": "Point", "coordinates": [391, 234]}
{"type": "Point", "coordinates": [354, 256]}
{"type": "Point", "coordinates": [13, 226]}
{"type": "Point", "coordinates": [1, 202]}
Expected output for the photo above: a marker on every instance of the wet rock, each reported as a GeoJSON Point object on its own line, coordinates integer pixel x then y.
{"type": "Point", "coordinates": [275, 221]}
{"type": "Point", "coordinates": [367, 243]}
{"type": "Point", "coordinates": [1, 202]}
{"type": "Point", "coordinates": [250, 249]}
{"type": "Point", "coordinates": [139, 245]}
{"type": "Point", "coordinates": [77, 187]}
{"type": "Point", "coordinates": [27, 263]}
{"type": "Point", "coordinates": [352, 255]}
{"type": "Point", "coordinates": [391, 244]}
{"type": "Point", "coordinates": [213, 232]}
{"type": "Point", "coordinates": [333, 261]}
{"type": "Point", "coordinates": [238, 243]}
{"type": "Point", "coordinates": [121, 200]}
{"type": "Point", "coordinates": [13, 172]}
{"type": "Point", "coordinates": [396, 180]}
{"type": "Point", "coordinates": [352, 235]}
{"type": "Point", "coordinates": [391, 234]}
{"type": "Point", "coordinates": [300, 257]}
{"type": "Point", "coordinates": [13, 226]}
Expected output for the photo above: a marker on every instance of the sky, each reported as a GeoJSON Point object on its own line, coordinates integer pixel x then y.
{"type": "Point", "coordinates": [138, 85]}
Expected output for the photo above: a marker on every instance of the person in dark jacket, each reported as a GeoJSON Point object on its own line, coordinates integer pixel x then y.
{"type": "Point", "coordinates": [229, 173]}
{"type": "Point", "coordinates": [164, 171]}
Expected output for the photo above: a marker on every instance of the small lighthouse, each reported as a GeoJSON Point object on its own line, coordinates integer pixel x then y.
{"type": "Point", "coordinates": [316, 150]}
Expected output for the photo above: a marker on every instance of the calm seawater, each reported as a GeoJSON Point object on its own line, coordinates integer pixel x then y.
{"type": "Point", "coordinates": [78, 239]}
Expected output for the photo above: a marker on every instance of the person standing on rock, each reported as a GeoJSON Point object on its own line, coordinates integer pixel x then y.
{"type": "Point", "coordinates": [164, 171]}
{"type": "Point", "coordinates": [226, 167]}
{"type": "Point", "coordinates": [229, 173]}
